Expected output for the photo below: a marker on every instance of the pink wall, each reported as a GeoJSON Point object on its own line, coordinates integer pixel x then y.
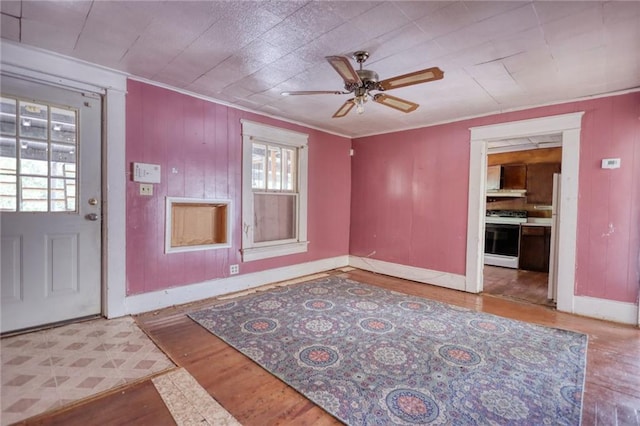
{"type": "Point", "coordinates": [202, 141]}
{"type": "Point", "coordinates": [409, 195]}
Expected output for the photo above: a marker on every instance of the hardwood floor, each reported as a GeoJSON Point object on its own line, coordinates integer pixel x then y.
{"type": "Point", "coordinates": [254, 397]}
{"type": "Point", "coordinates": [517, 284]}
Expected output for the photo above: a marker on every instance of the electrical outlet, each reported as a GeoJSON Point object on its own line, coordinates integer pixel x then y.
{"type": "Point", "coordinates": [146, 189]}
{"type": "Point", "coordinates": [234, 269]}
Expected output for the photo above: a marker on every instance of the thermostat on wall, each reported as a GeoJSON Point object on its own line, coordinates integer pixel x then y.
{"type": "Point", "coordinates": [147, 173]}
{"type": "Point", "coordinates": [610, 163]}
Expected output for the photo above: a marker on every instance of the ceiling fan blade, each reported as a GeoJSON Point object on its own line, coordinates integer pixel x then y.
{"type": "Point", "coordinates": [342, 65]}
{"type": "Point", "coordinates": [344, 109]}
{"type": "Point", "coordinates": [396, 103]}
{"type": "Point", "coordinates": [313, 92]}
{"type": "Point", "coordinates": [422, 76]}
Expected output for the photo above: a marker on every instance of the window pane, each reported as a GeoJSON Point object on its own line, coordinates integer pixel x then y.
{"type": "Point", "coordinates": [8, 189]}
{"type": "Point", "coordinates": [63, 160]}
{"type": "Point", "coordinates": [34, 194]}
{"type": "Point", "coordinates": [275, 217]}
{"type": "Point", "coordinates": [258, 166]}
{"type": "Point", "coordinates": [8, 155]}
{"type": "Point", "coordinates": [33, 158]}
{"type": "Point", "coordinates": [8, 194]}
{"type": "Point", "coordinates": [289, 167]}
{"type": "Point", "coordinates": [33, 120]}
{"type": "Point", "coordinates": [63, 195]}
{"type": "Point", "coordinates": [274, 170]}
{"type": "Point", "coordinates": [63, 125]}
{"type": "Point", "coordinates": [8, 116]}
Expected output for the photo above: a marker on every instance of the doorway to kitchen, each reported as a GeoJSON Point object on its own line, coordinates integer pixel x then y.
{"type": "Point", "coordinates": [568, 127]}
{"type": "Point", "coordinates": [520, 223]}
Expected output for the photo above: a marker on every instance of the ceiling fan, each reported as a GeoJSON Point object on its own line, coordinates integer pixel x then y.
{"type": "Point", "coordinates": [361, 82]}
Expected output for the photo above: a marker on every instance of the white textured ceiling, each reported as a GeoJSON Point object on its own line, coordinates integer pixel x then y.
{"type": "Point", "coordinates": [496, 55]}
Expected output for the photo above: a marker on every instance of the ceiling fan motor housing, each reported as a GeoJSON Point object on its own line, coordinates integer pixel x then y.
{"type": "Point", "coordinates": [368, 78]}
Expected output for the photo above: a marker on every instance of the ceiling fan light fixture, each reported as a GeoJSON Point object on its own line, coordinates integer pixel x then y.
{"type": "Point", "coordinates": [360, 100]}
{"type": "Point", "coordinates": [396, 103]}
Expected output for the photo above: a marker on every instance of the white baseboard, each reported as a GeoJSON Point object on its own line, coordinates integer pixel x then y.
{"type": "Point", "coordinates": [190, 293]}
{"type": "Point", "coordinates": [611, 310]}
{"type": "Point", "coordinates": [428, 276]}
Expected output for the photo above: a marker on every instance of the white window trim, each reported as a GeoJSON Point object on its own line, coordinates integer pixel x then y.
{"type": "Point", "coordinates": [256, 132]}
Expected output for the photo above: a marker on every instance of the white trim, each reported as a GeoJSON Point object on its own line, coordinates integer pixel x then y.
{"type": "Point", "coordinates": [252, 131]}
{"type": "Point", "coordinates": [273, 134]}
{"type": "Point", "coordinates": [266, 252]}
{"type": "Point", "coordinates": [190, 293]}
{"type": "Point", "coordinates": [569, 126]}
{"type": "Point", "coordinates": [57, 69]}
{"type": "Point", "coordinates": [115, 210]}
{"type": "Point", "coordinates": [610, 310]}
{"type": "Point", "coordinates": [527, 128]}
{"type": "Point", "coordinates": [427, 276]}
{"type": "Point", "coordinates": [67, 72]}
{"type": "Point", "coordinates": [169, 201]}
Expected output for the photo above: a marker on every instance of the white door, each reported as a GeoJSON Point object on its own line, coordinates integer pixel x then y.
{"type": "Point", "coordinates": [50, 146]}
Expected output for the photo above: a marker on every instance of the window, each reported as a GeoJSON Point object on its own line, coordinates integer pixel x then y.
{"type": "Point", "coordinates": [38, 157]}
{"type": "Point", "coordinates": [274, 191]}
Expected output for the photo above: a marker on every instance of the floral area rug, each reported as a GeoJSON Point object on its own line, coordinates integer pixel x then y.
{"type": "Point", "coordinates": [370, 356]}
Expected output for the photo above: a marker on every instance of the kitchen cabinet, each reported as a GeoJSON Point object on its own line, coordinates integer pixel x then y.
{"type": "Point", "coordinates": [540, 182]}
{"type": "Point", "coordinates": [514, 176]}
{"type": "Point", "coordinates": [535, 247]}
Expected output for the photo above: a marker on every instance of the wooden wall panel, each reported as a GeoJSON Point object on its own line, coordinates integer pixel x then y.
{"type": "Point", "coordinates": [198, 145]}
{"type": "Point", "coordinates": [415, 183]}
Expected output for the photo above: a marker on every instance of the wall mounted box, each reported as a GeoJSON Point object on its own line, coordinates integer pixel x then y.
{"type": "Point", "coordinates": [197, 224]}
{"type": "Point", "coordinates": [146, 173]}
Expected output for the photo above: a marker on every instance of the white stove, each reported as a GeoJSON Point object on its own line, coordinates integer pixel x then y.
{"type": "Point", "coordinates": [502, 237]}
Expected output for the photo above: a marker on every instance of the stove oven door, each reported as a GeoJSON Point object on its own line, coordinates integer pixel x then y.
{"type": "Point", "coordinates": [502, 244]}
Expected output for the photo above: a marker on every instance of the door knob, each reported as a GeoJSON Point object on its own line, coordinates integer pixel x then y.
{"type": "Point", "coordinates": [92, 216]}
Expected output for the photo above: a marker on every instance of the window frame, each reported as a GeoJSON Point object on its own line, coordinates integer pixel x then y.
{"type": "Point", "coordinates": [262, 133]}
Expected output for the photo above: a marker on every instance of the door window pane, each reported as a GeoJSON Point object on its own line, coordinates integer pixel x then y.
{"type": "Point", "coordinates": [35, 193]}
{"type": "Point", "coordinates": [8, 116]}
{"type": "Point", "coordinates": [8, 188]}
{"type": "Point", "coordinates": [63, 125]}
{"type": "Point", "coordinates": [8, 194]}
{"type": "Point", "coordinates": [33, 120]}
{"type": "Point", "coordinates": [34, 158]}
{"type": "Point", "coordinates": [63, 160]}
{"type": "Point", "coordinates": [63, 195]}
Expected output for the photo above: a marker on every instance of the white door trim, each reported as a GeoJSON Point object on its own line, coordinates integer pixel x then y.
{"type": "Point", "coordinates": [71, 73]}
{"type": "Point", "coordinates": [569, 126]}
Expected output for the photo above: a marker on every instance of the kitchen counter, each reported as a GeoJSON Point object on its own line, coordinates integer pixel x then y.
{"type": "Point", "coordinates": [537, 224]}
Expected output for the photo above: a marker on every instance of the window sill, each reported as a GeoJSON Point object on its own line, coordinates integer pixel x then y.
{"type": "Point", "coordinates": [258, 253]}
